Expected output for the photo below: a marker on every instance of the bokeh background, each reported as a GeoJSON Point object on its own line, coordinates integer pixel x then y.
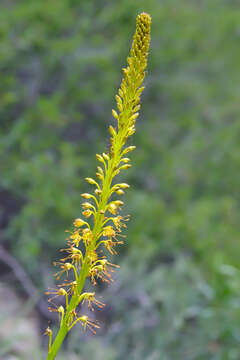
{"type": "Point", "coordinates": [177, 294]}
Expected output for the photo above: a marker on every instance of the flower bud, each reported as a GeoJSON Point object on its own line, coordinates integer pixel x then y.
{"type": "Point", "coordinates": [99, 157]}
{"type": "Point", "coordinates": [87, 213]}
{"type": "Point", "coordinates": [120, 93]}
{"type": "Point", "coordinates": [136, 108]}
{"type": "Point", "coordinates": [79, 222]}
{"type": "Point", "coordinates": [86, 196]}
{"type": "Point", "coordinates": [125, 167]}
{"type": "Point", "coordinates": [120, 192]}
{"type": "Point", "coordinates": [114, 114]}
{"type": "Point", "coordinates": [118, 202]}
{"type": "Point", "coordinates": [112, 208]}
{"type": "Point", "coordinates": [124, 186]}
{"type": "Point", "coordinates": [128, 149]}
{"type": "Point", "coordinates": [100, 170]}
{"type": "Point", "coordinates": [62, 292]}
{"type": "Point", "coordinates": [67, 266]}
{"type": "Point", "coordinates": [134, 117]}
{"type": "Point", "coordinates": [99, 175]}
{"type": "Point", "coordinates": [119, 103]}
{"type": "Point", "coordinates": [48, 331]}
{"type": "Point", "coordinates": [61, 309]}
{"type": "Point", "coordinates": [125, 160]}
{"type": "Point", "coordinates": [87, 205]}
{"type": "Point", "coordinates": [90, 181]}
{"type": "Point", "coordinates": [106, 157]}
{"type": "Point", "coordinates": [112, 130]}
{"type": "Point", "coordinates": [98, 191]}
{"type": "Point", "coordinates": [131, 131]}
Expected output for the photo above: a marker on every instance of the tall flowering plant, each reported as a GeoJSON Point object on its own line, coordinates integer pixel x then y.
{"type": "Point", "coordinates": [101, 223]}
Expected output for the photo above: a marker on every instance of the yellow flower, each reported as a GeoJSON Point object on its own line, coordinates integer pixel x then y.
{"type": "Point", "coordinates": [87, 235]}
{"type": "Point", "coordinates": [109, 231]}
{"type": "Point", "coordinates": [75, 237]}
{"type": "Point", "coordinates": [87, 213]}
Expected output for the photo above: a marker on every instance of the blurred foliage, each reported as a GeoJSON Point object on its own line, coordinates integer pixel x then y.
{"type": "Point", "coordinates": [172, 313]}
{"type": "Point", "coordinates": [178, 288]}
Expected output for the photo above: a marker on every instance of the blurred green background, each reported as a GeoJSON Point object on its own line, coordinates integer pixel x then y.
{"type": "Point", "coordinates": [177, 294]}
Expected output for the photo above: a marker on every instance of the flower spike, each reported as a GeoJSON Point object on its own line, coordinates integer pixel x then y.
{"type": "Point", "coordinates": [98, 233]}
